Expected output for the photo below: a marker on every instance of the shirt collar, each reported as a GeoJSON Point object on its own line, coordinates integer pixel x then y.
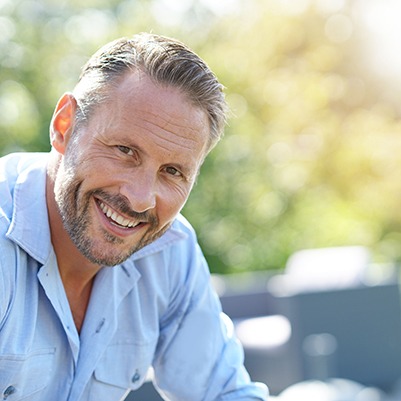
{"type": "Point", "coordinates": [172, 235]}
{"type": "Point", "coordinates": [29, 226]}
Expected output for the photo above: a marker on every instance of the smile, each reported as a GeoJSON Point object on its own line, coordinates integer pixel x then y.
{"type": "Point", "coordinates": [117, 218]}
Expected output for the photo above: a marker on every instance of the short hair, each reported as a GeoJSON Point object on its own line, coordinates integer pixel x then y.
{"type": "Point", "coordinates": [165, 60]}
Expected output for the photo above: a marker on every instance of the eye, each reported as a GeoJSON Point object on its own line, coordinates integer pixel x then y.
{"type": "Point", "coordinates": [125, 149]}
{"type": "Point", "coordinates": [173, 171]}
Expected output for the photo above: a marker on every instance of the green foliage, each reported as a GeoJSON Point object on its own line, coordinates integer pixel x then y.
{"type": "Point", "coordinates": [310, 155]}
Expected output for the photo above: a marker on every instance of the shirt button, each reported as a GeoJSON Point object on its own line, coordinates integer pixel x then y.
{"type": "Point", "coordinates": [8, 391]}
{"type": "Point", "coordinates": [136, 377]}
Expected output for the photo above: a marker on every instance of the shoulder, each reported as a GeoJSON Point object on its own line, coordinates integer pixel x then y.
{"type": "Point", "coordinates": [13, 164]}
{"type": "Point", "coordinates": [187, 267]}
{"type": "Point", "coordinates": [12, 167]}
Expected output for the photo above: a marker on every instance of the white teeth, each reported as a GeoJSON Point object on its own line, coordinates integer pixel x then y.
{"type": "Point", "coordinates": [117, 218]}
{"type": "Point", "coordinates": [120, 220]}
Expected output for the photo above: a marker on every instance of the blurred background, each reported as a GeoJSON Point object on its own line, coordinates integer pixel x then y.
{"type": "Point", "coordinates": [310, 160]}
{"type": "Point", "coordinates": [311, 154]}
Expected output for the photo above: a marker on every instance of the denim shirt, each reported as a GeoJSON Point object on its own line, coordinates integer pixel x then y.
{"type": "Point", "coordinates": [156, 310]}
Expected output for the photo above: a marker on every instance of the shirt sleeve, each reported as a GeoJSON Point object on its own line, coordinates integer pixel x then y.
{"type": "Point", "coordinates": [198, 356]}
{"type": "Point", "coordinates": [7, 268]}
{"type": "Point", "coordinates": [2, 294]}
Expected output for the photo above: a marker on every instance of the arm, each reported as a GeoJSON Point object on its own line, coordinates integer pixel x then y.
{"type": "Point", "coordinates": [198, 356]}
{"type": "Point", "coordinates": [2, 294]}
{"type": "Point", "coordinates": [6, 282]}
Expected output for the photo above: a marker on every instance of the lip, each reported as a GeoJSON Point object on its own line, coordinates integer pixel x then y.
{"type": "Point", "coordinates": [113, 227]}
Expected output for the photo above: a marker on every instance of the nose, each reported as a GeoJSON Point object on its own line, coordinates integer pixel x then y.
{"type": "Point", "coordinates": [140, 190]}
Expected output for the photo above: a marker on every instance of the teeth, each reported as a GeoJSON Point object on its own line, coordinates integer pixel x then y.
{"type": "Point", "coordinates": [117, 218]}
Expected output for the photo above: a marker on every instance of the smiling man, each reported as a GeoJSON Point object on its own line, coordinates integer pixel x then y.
{"type": "Point", "coordinates": [101, 278]}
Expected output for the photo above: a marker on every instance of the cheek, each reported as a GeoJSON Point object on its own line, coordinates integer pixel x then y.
{"type": "Point", "coordinates": [171, 202]}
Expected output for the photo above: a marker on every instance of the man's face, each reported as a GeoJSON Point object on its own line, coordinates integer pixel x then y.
{"type": "Point", "coordinates": [127, 173]}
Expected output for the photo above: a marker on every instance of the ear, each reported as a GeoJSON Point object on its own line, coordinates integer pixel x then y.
{"type": "Point", "coordinates": [62, 123]}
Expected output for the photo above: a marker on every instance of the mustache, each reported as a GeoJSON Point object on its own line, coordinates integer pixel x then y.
{"type": "Point", "coordinates": [121, 204]}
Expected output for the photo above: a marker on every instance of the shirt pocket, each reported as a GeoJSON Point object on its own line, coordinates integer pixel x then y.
{"type": "Point", "coordinates": [22, 377]}
{"type": "Point", "coordinates": [123, 367]}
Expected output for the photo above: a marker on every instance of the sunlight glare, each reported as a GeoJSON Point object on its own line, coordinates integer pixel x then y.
{"type": "Point", "coordinates": [381, 21]}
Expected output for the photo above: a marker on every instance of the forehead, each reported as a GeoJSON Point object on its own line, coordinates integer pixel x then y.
{"type": "Point", "coordinates": [162, 109]}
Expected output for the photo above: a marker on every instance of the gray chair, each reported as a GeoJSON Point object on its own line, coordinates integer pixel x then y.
{"type": "Point", "coordinates": [365, 322]}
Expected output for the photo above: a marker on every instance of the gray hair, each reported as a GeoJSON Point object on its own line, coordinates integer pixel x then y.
{"type": "Point", "coordinates": [167, 61]}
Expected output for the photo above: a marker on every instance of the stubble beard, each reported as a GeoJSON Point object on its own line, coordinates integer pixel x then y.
{"type": "Point", "coordinates": [75, 215]}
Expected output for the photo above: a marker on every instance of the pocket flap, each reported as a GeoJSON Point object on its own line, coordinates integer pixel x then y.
{"type": "Point", "coordinates": [125, 365]}
{"type": "Point", "coordinates": [26, 374]}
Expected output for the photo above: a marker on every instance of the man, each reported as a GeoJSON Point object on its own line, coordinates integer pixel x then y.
{"type": "Point", "coordinates": [127, 145]}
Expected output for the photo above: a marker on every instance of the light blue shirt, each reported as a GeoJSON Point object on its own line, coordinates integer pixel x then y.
{"type": "Point", "coordinates": [156, 309]}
